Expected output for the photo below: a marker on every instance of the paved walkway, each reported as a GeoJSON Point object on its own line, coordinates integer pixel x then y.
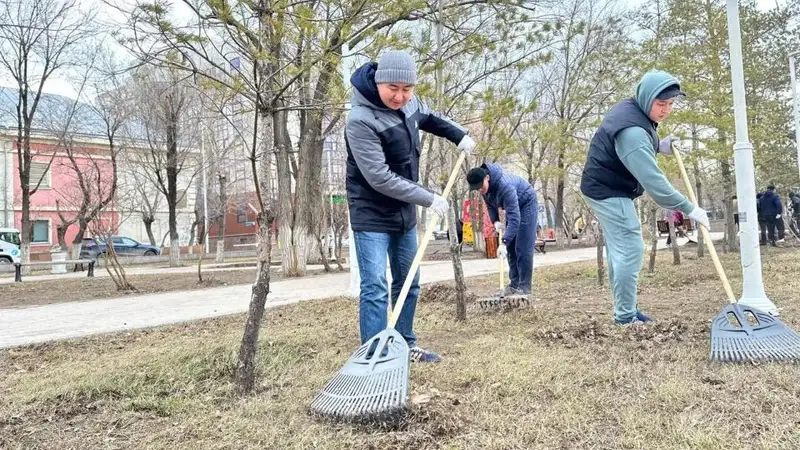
{"type": "Point", "coordinates": [208, 266]}
{"type": "Point", "coordinates": [76, 319]}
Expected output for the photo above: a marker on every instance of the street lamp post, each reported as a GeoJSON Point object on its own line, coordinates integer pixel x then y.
{"type": "Point", "coordinates": [355, 278]}
{"type": "Point", "coordinates": [752, 282]}
{"type": "Point", "coordinates": [795, 107]}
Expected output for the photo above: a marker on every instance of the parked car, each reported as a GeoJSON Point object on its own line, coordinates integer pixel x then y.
{"type": "Point", "coordinates": [9, 246]}
{"type": "Point", "coordinates": [124, 246]}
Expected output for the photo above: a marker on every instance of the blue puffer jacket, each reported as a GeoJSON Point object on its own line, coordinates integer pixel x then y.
{"type": "Point", "coordinates": [512, 193]}
{"type": "Point", "coordinates": [770, 204]}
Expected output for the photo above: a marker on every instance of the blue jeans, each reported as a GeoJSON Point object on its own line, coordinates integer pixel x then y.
{"type": "Point", "coordinates": [371, 251]}
{"type": "Point", "coordinates": [521, 248]}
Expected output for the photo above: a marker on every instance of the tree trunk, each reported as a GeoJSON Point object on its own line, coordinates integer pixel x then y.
{"type": "Point", "coordinates": [559, 222]}
{"type": "Point", "coordinates": [148, 227]}
{"type": "Point", "coordinates": [458, 270]}
{"type": "Point", "coordinates": [547, 209]}
{"type": "Point", "coordinates": [201, 190]}
{"type": "Point", "coordinates": [338, 249]}
{"type": "Point", "coordinates": [286, 203]}
{"type": "Point", "coordinates": [651, 267]}
{"type": "Point", "coordinates": [75, 252]}
{"type": "Point", "coordinates": [453, 211]}
{"type": "Point", "coordinates": [476, 218]}
{"type": "Point", "coordinates": [195, 230]}
{"type": "Point", "coordinates": [77, 241]}
{"type": "Point", "coordinates": [200, 264]}
{"type": "Point", "coordinates": [676, 250]}
{"type": "Point", "coordinates": [731, 241]}
{"type": "Point", "coordinates": [309, 207]}
{"type": "Point", "coordinates": [701, 248]}
{"type": "Point", "coordinates": [312, 248]}
{"type": "Point", "coordinates": [219, 257]}
{"type": "Point", "coordinates": [426, 181]}
{"type": "Point", "coordinates": [192, 229]}
{"type": "Point", "coordinates": [61, 232]}
{"type": "Point", "coordinates": [115, 269]}
{"type": "Point", "coordinates": [172, 188]}
{"type": "Point", "coordinates": [246, 368]}
{"type": "Point", "coordinates": [174, 251]}
{"type": "Point", "coordinates": [322, 252]}
{"type": "Point", "coordinates": [26, 230]}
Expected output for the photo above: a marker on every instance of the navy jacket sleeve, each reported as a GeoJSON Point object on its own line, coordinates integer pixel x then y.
{"type": "Point", "coordinates": [776, 202]}
{"type": "Point", "coordinates": [510, 204]}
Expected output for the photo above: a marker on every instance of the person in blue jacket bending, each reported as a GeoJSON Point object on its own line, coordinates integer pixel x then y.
{"type": "Point", "coordinates": [620, 166]}
{"type": "Point", "coordinates": [518, 199]}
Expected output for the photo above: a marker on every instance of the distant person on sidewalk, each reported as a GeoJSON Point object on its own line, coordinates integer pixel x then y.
{"type": "Point", "coordinates": [772, 210]}
{"type": "Point", "coordinates": [620, 166]}
{"type": "Point", "coordinates": [794, 205]}
{"type": "Point", "coordinates": [762, 221]}
{"type": "Point", "coordinates": [676, 218]}
{"type": "Point", "coordinates": [383, 149]}
{"type": "Point", "coordinates": [517, 197]}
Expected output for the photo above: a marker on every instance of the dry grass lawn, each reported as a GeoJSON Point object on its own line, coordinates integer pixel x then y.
{"type": "Point", "coordinates": [556, 375]}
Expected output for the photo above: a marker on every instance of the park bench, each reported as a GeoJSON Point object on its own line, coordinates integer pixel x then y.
{"type": "Point", "coordinates": [90, 262]}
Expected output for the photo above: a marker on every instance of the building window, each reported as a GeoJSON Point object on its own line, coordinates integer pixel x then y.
{"type": "Point", "coordinates": [41, 232]}
{"type": "Point", "coordinates": [241, 213]}
{"type": "Point", "coordinates": [183, 200]}
{"type": "Point", "coordinates": [39, 171]}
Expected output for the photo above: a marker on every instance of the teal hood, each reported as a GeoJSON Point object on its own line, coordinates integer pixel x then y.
{"type": "Point", "coordinates": [651, 84]}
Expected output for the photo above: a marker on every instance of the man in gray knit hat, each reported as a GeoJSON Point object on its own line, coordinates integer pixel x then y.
{"type": "Point", "coordinates": [383, 148]}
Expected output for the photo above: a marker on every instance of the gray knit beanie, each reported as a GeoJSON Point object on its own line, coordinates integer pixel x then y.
{"type": "Point", "coordinates": [396, 66]}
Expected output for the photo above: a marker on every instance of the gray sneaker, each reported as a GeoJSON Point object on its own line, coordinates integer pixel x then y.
{"type": "Point", "coordinates": [510, 292]}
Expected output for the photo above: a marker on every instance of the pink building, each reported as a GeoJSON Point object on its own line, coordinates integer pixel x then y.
{"type": "Point", "coordinates": [59, 189]}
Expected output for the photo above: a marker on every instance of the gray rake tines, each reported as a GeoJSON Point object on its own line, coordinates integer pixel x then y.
{"type": "Point", "coordinates": [509, 302]}
{"type": "Point", "coordinates": [735, 339]}
{"type": "Point", "coordinates": [370, 388]}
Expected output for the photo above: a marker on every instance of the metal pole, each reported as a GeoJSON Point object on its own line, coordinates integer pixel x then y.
{"type": "Point", "coordinates": [753, 285]}
{"type": "Point", "coordinates": [796, 109]}
{"type": "Point", "coordinates": [331, 241]}
{"type": "Point", "coordinates": [205, 188]}
{"type": "Point", "coordinates": [355, 278]}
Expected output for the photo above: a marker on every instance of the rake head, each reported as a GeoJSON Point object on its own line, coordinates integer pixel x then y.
{"type": "Point", "coordinates": [372, 386]}
{"type": "Point", "coordinates": [743, 333]}
{"type": "Point", "coordinates": [503, 302]}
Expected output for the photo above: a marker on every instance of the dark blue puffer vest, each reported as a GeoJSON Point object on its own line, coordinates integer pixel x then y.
{"type": "Point", "coordinates": [604, 176]}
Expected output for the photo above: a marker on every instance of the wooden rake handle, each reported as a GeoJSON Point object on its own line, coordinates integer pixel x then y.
{"type": "Point", "coordinates": [500, 258]}
{"type": "Point", "coordinates": [502, 269]}
{"type": "Point", "coordinates": [401, 299]}
{"type": "Point", "coordinates": [706, 235]}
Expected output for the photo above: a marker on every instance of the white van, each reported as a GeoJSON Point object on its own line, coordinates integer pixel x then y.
{"type": "Point", "coordinates": [9, 246]}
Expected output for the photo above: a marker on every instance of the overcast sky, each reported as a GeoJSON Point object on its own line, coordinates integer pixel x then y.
{"type": "Point", "coordinates": [63, 87]}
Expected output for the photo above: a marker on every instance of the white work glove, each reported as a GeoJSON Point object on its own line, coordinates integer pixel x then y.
{"type": "Point", "coordinates": [665, 146]}
{"type": "Point", "coordinates": [502, 251]}
{"type": "Point", "coordinates": [466, 145]}
{"type": "Point", "coordinates": [439, 206]}
{"type": "Point", "coordinates": [498, 226]}
{"type": "Point", "coordinates": [700, 216]}
{"type": "Point", "coordinates": [778, 216]}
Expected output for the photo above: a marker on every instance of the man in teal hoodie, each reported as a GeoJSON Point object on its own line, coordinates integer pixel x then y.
{"type": "Point", "coordinates": [620, 166]}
